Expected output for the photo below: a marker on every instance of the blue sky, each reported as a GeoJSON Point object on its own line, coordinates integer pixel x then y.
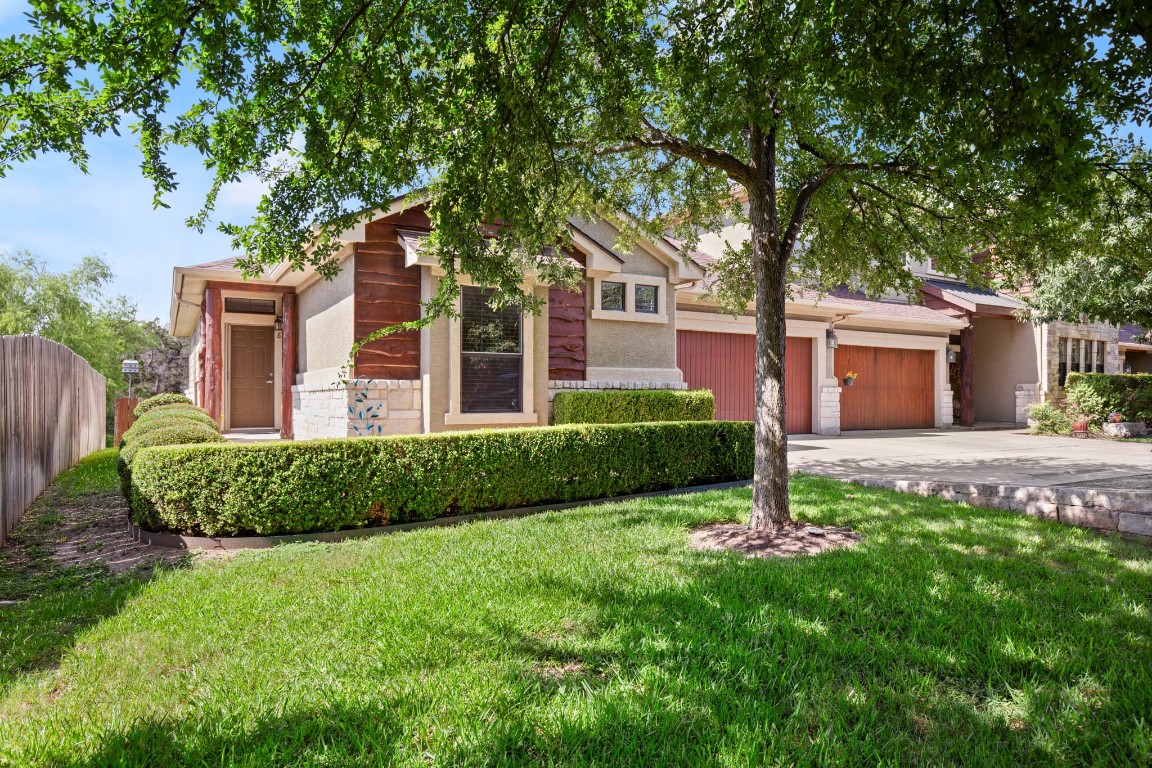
{"type": "Point", "coordinates": [50, 207]}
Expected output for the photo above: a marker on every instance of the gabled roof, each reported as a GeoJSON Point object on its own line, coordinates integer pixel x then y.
{"type": "Point", "coordinates": [978, 300]}
{"type": "Point", "coordinates": [1133, 336]}
{"type": "Point", "coordinates": [221, 264]}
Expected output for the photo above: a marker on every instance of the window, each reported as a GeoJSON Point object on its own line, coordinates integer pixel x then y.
{"type": "Point", "coordinates": [612, 296]}
{"type": "Point", "coordinates": [1063, 350]}
{"type": "Point", "coordinates": [491, 355]}
{"type": "Point", "coordinates": [250, 306]}
{"type": "Point", "coordinates": [1080, 355]}
{"type": "Point", "coordinates": [646, 299]}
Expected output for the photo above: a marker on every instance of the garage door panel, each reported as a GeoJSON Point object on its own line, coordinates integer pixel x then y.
{"type": "Point", "coordinates": [894, 389]}
{"type": "Point", "coordinates": [724, 363]}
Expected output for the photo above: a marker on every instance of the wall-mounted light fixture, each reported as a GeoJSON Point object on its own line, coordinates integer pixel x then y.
{"type": "Point", "coordinates": [951, 355]}
{"type": "Point", "coordinates": [830, 339]}
{"type": "Point", "coordinates": [279, 326]}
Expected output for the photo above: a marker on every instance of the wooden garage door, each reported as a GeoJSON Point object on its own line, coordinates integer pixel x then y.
{"type": "Point", "coordinates": [723, 363]}
{"type": "Point", "coordinates": [893, 391]}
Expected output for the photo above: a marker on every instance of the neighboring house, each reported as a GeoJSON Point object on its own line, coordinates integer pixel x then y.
{"type": "Point", "coordinates": [952, 355]}
{"type": "Point", "coordinates": [267, 352]}
{"type": "Point", "coordinates": [1135, 349]}
{"type": "Point", "coordinates": [899, 351]}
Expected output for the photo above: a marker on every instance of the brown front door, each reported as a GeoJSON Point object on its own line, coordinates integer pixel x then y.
{"type": "Point", "coordinates": [251, 382]}
{"type": "Point", "coordinates": [725, 364]}
{"type": "Point", "coordinates": [894, 389]}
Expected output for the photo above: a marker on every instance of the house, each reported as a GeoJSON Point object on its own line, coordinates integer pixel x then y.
{"type": "Point", "coordinates": [267, 352]}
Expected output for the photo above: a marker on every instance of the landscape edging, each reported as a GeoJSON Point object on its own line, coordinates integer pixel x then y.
{"type": "Point", "coordinates": [232, 543]}
{"type": "Point", "coordinates": [1102, 509]}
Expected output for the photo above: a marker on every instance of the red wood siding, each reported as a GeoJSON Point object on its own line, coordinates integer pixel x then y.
{"type": "Point", "coordinates": [387, 292]}
{"type": "Point", "coordinates": [723, 363]}
{"type": "Point", "coordinates": [567, 335]}
{"type": "Point", "coordinates": [894, 389]}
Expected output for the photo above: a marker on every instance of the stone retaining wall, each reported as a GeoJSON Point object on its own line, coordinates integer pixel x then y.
{"type": "Point", "coordinates": [1123, 511]}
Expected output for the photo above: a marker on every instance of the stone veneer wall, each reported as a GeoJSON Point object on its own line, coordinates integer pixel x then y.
{"type": "Point", "coordinates": [357, 409]}
{"type": "Point", "coordinates": [1026, 396]}
{"type": "Point", "coordinates": [1052, 391]}
{"type": "Point", "coordinates": [829, 410]}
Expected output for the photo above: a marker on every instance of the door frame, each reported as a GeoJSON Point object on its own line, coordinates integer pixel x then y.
{"type": "Point", "coordinates": [231, 319]}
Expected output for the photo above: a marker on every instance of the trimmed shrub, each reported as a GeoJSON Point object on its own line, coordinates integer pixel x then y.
{"type": "Point", "coordinates": [1049, 419]}
{"type": "Point", "coordinates": [178, 423]}
{"type": "Point", "coordinates": [1098, 394]}
{"type": "Point", "coordinates": [186, 412]}
{"type": "Point", "coordinates": [328, 485]}
{"type": "Point", "coordinates": [157, 401]}
{"type": "Point", "coordinates": [175, 432]}
{"type": "Point", "coordinates": [632, 406]}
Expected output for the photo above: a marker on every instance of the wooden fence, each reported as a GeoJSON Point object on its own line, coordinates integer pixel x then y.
{"type": "Point", "coordinates": [125, 417]}
{"type": "Point", "coordinates": [52, 412]}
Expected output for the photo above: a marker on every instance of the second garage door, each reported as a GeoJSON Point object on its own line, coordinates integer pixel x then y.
{"type": "Point", "coordinates": [723, 363]}
{"type": "Point", "coordinates": [893, 390]}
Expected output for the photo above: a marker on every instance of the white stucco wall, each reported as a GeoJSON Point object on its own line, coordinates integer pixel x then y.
{"type": "Point", "coordinates": [327, 321]}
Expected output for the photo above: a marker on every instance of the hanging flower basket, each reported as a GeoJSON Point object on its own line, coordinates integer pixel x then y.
{"type": "Point", "coordinates": [850, 378]}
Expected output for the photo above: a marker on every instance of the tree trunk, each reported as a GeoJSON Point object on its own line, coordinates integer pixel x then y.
{"type": "Point", "coordinates": [769, 263]}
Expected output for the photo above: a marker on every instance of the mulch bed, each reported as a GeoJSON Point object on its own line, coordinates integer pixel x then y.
{"type": "Point", "coordinates": [800, 539]}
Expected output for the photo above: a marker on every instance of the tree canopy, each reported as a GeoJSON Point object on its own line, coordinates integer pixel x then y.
{"type": "Point", "coordinates": [860, 133]}
{"type": "Point", "coordinates": [74, 308]}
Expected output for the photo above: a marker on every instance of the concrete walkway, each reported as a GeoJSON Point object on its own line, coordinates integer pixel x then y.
{"type": "Point", "coordinates": [1008, 457]}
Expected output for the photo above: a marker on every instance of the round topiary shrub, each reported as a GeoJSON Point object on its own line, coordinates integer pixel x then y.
{"type": "Point", "coordinates": [175, 411]}
{"type": "Point", "coordinates": [177, 433]}
{"type": "Point", "coordinates": [157, 401]}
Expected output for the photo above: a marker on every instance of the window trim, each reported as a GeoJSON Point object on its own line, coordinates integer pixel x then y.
{"type": "Point", "coordinates": [528, 415]}
{"type": "Point", "coordinates": [623, 296]}
{"type": "Point", "coordinates": [636, 294]}
{"type": "Point", "coordinates": [518, 354]}
{"type": "Point", "coordinates": [630, 314]}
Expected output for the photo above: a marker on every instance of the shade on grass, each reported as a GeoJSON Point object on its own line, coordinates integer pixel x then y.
{"type": "Point", "coordinates": [596, 636]}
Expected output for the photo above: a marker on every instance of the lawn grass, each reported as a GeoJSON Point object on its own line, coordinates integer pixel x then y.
{"type": "Point", "coordinates": [597, 637]}
{"type": "Point", "coordinates": [53, 603]}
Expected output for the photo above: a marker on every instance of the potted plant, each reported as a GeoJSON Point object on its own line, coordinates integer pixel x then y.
{"type": "Point", "coordinates": [1080, 425]}
{"type": "Point", "coordinates": [850, 378]}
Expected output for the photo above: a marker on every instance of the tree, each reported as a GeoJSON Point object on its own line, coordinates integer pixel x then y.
{"type": "Point", "coordinates": [860, 132]}
{"type": "Point", "coordinates": [1109, 275]}
{"type": "Point", "coordinates": [73, 308]}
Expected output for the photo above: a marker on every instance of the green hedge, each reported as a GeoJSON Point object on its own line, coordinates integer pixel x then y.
{"type": "Point", "coordinates": [168, 412]}
{"type": "Point", "coordinates": [1096, 395]}
{"type": "Point", "coordinates": [328, 485]}
{"type": "Point", "coordinates": [157, 401]}
{"type": "Point", "coordinates": [632, 406]}
{"type": "Point", "coordinates": [179, 423]}
{"type": "Point", "coordinates": [173, 432]}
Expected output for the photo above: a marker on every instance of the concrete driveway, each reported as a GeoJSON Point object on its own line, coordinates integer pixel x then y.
{"type": "Point", "coordinates": [1006, 457]}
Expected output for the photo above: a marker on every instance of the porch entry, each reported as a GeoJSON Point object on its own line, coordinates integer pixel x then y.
{"type": "Point", "coordinates": [252, 377]}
